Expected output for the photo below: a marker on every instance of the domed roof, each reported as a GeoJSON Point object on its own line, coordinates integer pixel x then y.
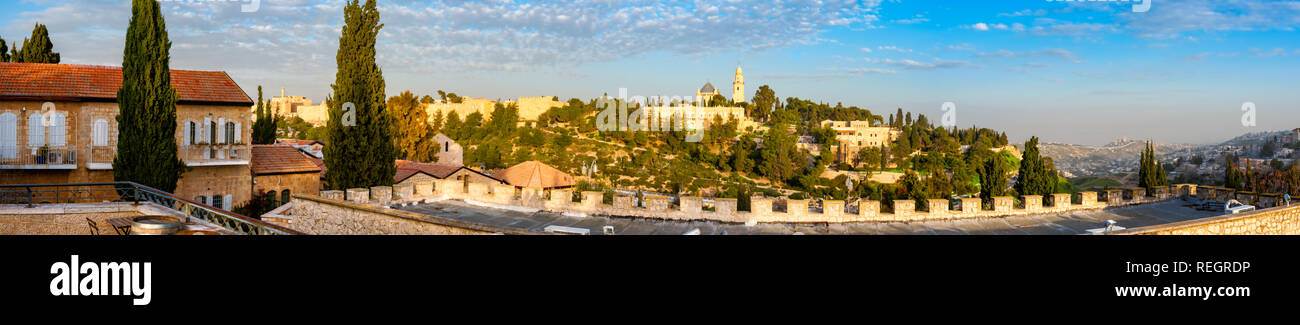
{"type": "Point", "coordinates": [708, 88]}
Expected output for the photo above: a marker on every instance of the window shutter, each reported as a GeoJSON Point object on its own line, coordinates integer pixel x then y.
{"type": "Point", "coordinates": [204, 128]}
{"type": "Point", "coordinates": [226, 202]}
{"type": "Point", "coordinates": [35, 130]}
{"type": "Point", "coordinates": [221, 130]}
{"type": "Point", "coordinates": [58, 129]}
{"type": "Point", "coordinates": [189, 127]}
{"type": "Point", "coordinates": [239, 134]}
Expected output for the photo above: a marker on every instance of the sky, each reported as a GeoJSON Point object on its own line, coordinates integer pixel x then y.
{"type": "Point", "coordinates": [1071, 72]}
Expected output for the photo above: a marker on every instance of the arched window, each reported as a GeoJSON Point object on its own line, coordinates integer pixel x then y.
{"type": "Point", "coordinates": [58, 129]}
{"type": "Point", "coordinates": [101, 133]}
{"type": "Point", "coordinates": [35, 130]}
{"type": "Point", "coordinates": [8, 136]}
{"type": "Point", "coordinates": [284, 197]}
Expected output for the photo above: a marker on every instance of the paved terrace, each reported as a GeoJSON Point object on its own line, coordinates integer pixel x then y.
{"type": "Point", "coordinates": [1048, 224]}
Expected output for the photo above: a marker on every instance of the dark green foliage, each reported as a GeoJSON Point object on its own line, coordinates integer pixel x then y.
{"type": "Point", "coordinates": [1151, 173]}
{"type": "Point", "coordinates": [4, 51]}
{"type": "Point", "coordinates": [264, 125]}
{"type": "Point", "coordinates": [146, 122]}
{"type": "Point", "coordinates": [1035, 176]}
{"type": "Point", "coordinates": [993, 180]}
{"type": "Point", "coordinates": [37, 49]}
{"type": "Point", "coordinates": [765, 101]}
{"type": "Point", "coordinates": [360, 155]}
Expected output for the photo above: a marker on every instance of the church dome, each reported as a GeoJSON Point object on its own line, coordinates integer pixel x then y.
{"type": "Point", "coordinates": [708, 88]}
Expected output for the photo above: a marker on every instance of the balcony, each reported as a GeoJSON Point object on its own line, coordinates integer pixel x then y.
{"type": "Point", "coordinates": [28, 157]}
{"type": "Point", "coordinates": [223, 154]}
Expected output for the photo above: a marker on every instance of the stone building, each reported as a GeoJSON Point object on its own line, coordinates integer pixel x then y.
{"type": "Point", "coordinates": [449, 152]}
{"type": "Point", "coordinates": [283, 170]}
{"type": "Point", "coordinates": [706, 93]}
{"type": "Point", "coordinates": [738, 87]}
{"type": "Point", "coordinates": [855, 135]}
{"type": "Point", "coordinates": [58, 125]}
{"type": "Point", "coordinates": [410, 172]}
{"type": "Point", "coordinates": [297, 106]}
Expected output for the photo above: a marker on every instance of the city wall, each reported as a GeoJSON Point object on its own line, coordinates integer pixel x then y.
{"type": "Point", "coordinates": [768, 210]}
{"type": "Point", "coordinates": [323, 216]}
{"type": "Point", "coordinates": [1283, 220]}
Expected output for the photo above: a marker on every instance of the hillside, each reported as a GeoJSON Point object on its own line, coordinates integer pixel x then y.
{"type": "Point", "coordinates": [1118, 156]}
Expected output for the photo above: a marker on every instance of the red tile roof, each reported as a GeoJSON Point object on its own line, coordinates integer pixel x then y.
{"type": "Point", "coordinates": [269, 159]}
{"type": "Point", "coordinates": [535, 174]}
{"type": "Point", "coordinates": [44, 81]}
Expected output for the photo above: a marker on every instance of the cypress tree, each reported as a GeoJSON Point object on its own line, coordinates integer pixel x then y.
{"type": "Point", "coordinates": [993, 180]}
{"type": "Point", "coordinates": [264, 126]}
{"type": "Point", "coordinates": [38, 48]}
{"type": "Point", "coordinates": [1151, 173]}
{"type": "Point", "coordinates": [146, 123]}
{"type": "Point", "coordinates": [4, 51]}
{"type": "Point", "coordinates": [1035, 176]}
{"type": "Point", "coordinates": [360, 151]}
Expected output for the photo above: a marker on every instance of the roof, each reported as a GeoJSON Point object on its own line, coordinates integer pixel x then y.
{"type": "Point", "coordinates": [708, 88]}
{"type": "Point", "coordinates": [272, 159]}
{"type": "Point", "coordinates": [535, 174]}
{"type": "Point", "coordinates": [47, 81]}
{"type": "Point", "coordinates": [407, 168]}
{"type": "Point", "coordinates": [299, 142]}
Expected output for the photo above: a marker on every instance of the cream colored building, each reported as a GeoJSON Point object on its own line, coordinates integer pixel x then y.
{"type": "Point", "coordinates": [529, 107]}
{"type": "Point", "coordinates": [297, 106]}
{"type": "Point", "coordinates": [58, 124]}
{"type": "Point", "coordinates": [855, 135]}
{"type": "Point", "coordinates": [738, 87]}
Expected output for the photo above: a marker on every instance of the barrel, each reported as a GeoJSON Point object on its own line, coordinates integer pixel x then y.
{"type": "Point", "coordinates": [155, 225]}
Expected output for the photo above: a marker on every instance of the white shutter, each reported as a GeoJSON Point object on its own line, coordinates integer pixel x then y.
{"type": "Point", "coordinates": [35, 130]}
{"type": "Point", "coordinates": [205, 128]}
{"type": "Point", "coordinates": [225, 202]}
{"type": "Point", "coordinates": [239, 133]}
{"type": "Point", "coordinates": [58, 129]}
{"type": "Point", "coordinates": [8, 136]}
{"type": "Point", "coordinates": [221, 130]}
{"type": "Point", "coordinates": [189, 126]}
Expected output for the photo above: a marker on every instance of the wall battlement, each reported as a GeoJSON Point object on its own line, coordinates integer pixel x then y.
{"type": "Point", "coordinates": [763, 209]}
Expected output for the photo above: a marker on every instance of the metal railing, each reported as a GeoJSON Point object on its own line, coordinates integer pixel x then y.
{"type": "Point", "coordinates": [33, 194]}
{"type": "Point", "coordinates": [28, 155]}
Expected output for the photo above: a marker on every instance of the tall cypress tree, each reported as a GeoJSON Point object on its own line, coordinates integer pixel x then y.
{"type": "Point", "coordinates": [38, 48]}
{"type": "Point", "coordinates": [360, 151]}
{"type": "Point", "coordinates": [146, 123]}
{"type": "Point", "coordinates": [264, 126]}
{"type": "Point", "coordinates": [1035, 176]}
{"type": "Point", "coordinates": [1150, 172]}
{"type": "Point", "coordinates": [4, 51]}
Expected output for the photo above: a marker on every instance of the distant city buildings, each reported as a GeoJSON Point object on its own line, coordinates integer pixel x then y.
{"type": "Point", "coordinates": [852, 136]}
{"type": "Point", "coordinates": [297, 106]}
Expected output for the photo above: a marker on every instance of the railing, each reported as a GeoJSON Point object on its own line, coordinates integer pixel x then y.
{"type": "Point", "coordinates": [32, 194]}
{"type": "Point", "coordinates": [215, 152]}
{"type": "Point", "coordinates": [28, 155]}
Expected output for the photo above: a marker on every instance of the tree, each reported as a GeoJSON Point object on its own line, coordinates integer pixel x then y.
{"type": "Point", "coordinates": [1035, 176]}
{"type": "Point", "coordinates": [993, 179]}
{"type": "Point", "coordinates": [411, 128]}
{"type": "Point", "coordinates": [1232, 176]}
{"type": "Point", "coordinates": [765, 101]}
{"type": "Point", "coordinates": [868, 156]}
{"type": "Point", "coordinates": [360, 153]}
{"type": "Point", "coordinates": [264, 125]}
{"type": "Point", "coordinates": [1151, 173]}
{"type": "Point", "coordinates": [4, 51]}
{"type": "Point", "coordinates": [146, 122]}
{"type": "Point", "coordinates": [37, 49]}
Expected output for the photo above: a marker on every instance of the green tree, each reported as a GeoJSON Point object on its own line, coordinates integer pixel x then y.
{"type": "Point", "coordinates": [993, 179]}
{"type": "Point", "coordinates": [765, 101]}
{"type": "Point", "coordinates": [264, 125]}
{"type": "Point", "coordinates": [37, 49]}
{"type": "Point", "coordinates": [1151, 173]}
{"type": "Point", "coordinates": [411, 128]}
{"type": "Point", "coordinates": [1035, 176]}
{"type": "Point", "coordinates": [146, 122]}
{"type": "Point", "coordinates": [360, 151]}
{"type": "Point", "coordinates": [4, 51]}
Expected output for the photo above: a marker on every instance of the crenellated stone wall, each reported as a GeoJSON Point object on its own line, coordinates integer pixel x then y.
{"type": "Point", "coordinates": [763, 209]}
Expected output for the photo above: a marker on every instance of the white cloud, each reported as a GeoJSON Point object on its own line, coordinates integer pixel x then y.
{"type": "Point", "coordinates": [980, 26]}
{"type": "Point", "coordinates": [894, 48]}
{"type": "Point", "coordinates": [1172, 18]}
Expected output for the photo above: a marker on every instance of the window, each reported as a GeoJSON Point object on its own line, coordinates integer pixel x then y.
{"type": "Point", "coordinates": [100, 133]}
{"type": "Point", "coordinates": [35, 130]}
{"type": "Point", "coordinates": [446, 147]}
{"type": "Point", "coordinates": [8, 136]}
{"type": "Point", "coordinates": [230, 132]}
{"type": "Point", "coordinates": [58, 129]}
{"type": "Point", "coordinates": [216, 201]}
{"type": "Point", "coordinates": [212, 131]}
{"type": "Point", "coordinates": [202, 199]}
{"type": "Point", "coordinates": [220, 128]}
{"type": "Point", "coordinates": [189, 133]}
{"type": "Point", "coordinates": [284, 196]}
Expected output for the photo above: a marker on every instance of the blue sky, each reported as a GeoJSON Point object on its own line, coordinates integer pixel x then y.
{"type": "Point", "coordinates": [1064, 71]}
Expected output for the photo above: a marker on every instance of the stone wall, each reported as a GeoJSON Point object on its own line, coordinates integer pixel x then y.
{"type": "Point", "coordinates": [70, 219]}
{"type": "Point", "coordinates": [1275, 221]}
{"type": "Point", "coordinates": [320, 216]}
{"type": "Point", "coordinates": [762, 209]}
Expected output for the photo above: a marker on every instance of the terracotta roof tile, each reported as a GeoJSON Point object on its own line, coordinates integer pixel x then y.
{"type": "Point", "coordinates": [43, 81]}
{"type": "Point", "coordinates": [280, 159]}
{"type": "Point", "coordinates": [535, 174]}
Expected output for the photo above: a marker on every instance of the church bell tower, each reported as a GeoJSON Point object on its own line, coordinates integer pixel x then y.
{"type": "Point", "coordinates": [738, 87]}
